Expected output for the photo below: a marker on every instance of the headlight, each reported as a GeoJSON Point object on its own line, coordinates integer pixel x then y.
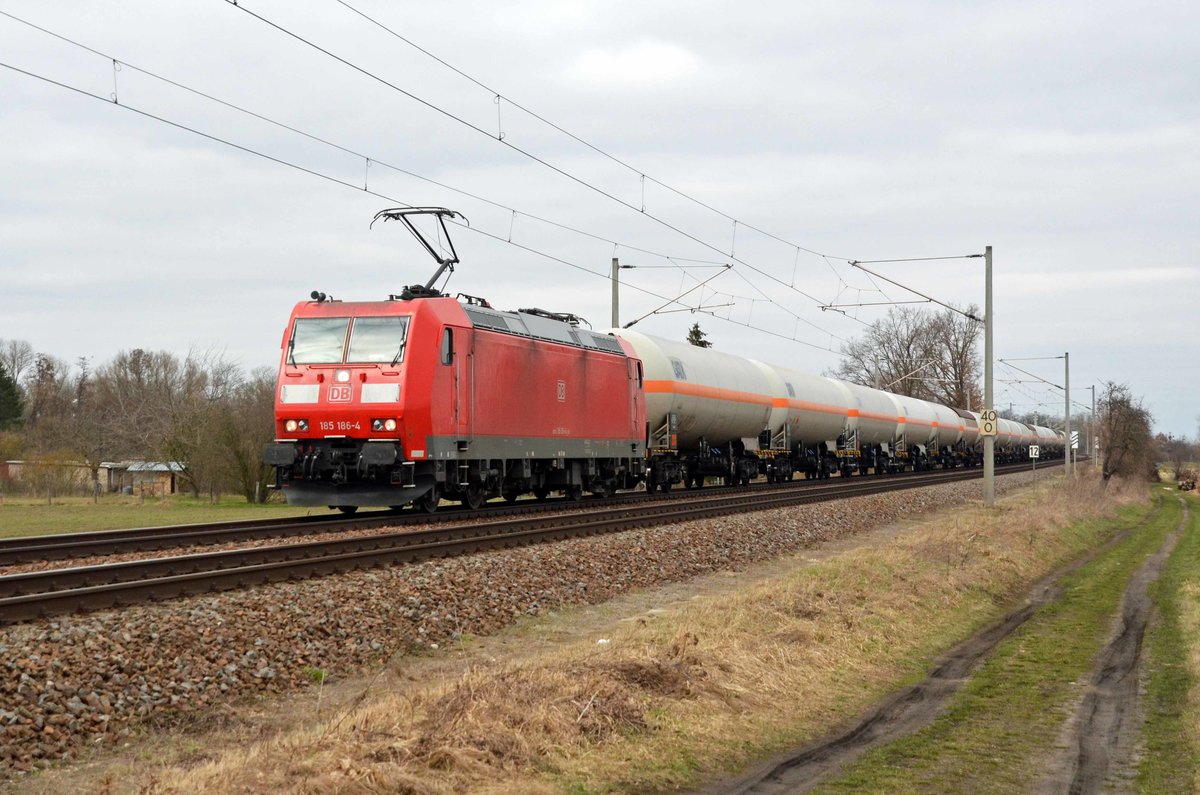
{"type": "Point", "coordinates": [377, 425]}
{"type": "Point", "coordinates": [342, 376]}
{"type": "Point", "coordinates": [290, 426]}
{"type": "Point", "coordinates": [303, 425]}
{"type": "Point", "coordinates": [389, 425]}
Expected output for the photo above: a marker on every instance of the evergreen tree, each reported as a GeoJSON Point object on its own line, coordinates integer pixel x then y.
{"type": "Point", "coordinates": [12, 407]}
{"type": "Point", "coordinates": [697, 337]}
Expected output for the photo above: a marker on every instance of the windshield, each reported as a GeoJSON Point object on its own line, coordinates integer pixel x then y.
{"type": "Point", "coordinates": [378, 339]}
{"type": "Point", "coordinates": [318, 340]}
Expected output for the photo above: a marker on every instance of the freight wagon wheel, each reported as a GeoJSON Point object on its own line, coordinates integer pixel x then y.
{"type": "Point", "coordinates": [347, 509]}
{"type": "Point", "coordinates": [511, 496]}
{"type": "Point", "coordinates": [665, 487]}
{"type": "Point", "coordinates": [429, 501]}
{"type": "Point", "coordinates": [541, 494]}
{"type": "Point", "coordinates": [575, 493]}
{"type": "Point", "coordinates": [474, 496]}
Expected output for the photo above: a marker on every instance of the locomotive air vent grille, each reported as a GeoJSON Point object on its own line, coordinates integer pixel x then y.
{"type": "Point", "coordinates": [542, 328]}
{"type": "Point", "coordinates": [604, 342]}
{"type": "Point", "coordinates": [485, 319]}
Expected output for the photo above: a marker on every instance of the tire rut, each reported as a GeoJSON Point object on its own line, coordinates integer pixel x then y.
{"type": "Point", "coordinates": [1101, 741]}
{"type": "Point", "coordinates": [911, 709]}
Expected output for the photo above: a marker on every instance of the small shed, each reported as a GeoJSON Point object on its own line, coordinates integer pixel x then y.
{"type": "Point", "coordinates": [145, 477]}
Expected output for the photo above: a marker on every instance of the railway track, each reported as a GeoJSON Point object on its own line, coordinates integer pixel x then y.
{"type": "Point", "coordinates": [31, 595]}
{"type": "Point", "coordinates": [67, 546]}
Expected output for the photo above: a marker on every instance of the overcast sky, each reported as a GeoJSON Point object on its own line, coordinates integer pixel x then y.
{"type": "Point", "coordinates": [1066, 135]}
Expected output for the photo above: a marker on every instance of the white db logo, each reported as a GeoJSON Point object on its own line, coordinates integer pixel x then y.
{"type": "Point", "coordinates": [339, 393]}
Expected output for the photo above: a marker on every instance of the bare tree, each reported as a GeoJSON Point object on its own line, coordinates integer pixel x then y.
{"type": "Point", "coordinates": [932, 356]}
{"type": "Point", "coordinates": [17, 357]}
{"type": "Point", "coordinates": [48, 404]}
{"type": "Point", "coordinates": [1125, 438]}
{"type": "Point", "coordinates": [1176, 451]}
{"type": "Point", "coordinates": [246, 425]}
{"type": "Point", "coordinates": [956, 345]}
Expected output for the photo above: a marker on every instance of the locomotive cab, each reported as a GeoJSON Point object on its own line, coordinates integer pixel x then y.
{"type": "Point", "coordinates": [349, 400]}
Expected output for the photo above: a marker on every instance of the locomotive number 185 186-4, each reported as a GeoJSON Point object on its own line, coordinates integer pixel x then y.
{"type": "Point", "coordinates": [331, 425]}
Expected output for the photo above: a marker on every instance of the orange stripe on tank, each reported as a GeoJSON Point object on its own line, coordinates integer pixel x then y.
{"type": "Point", "coordinates": [701, 390]}
{"type": "Point", "coordinates": [667, 387]}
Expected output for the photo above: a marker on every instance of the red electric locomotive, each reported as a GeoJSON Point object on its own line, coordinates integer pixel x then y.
{"type": "Point", "coordinates": [422, 396]}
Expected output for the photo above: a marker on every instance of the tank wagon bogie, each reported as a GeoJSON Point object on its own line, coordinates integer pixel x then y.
{"type": "Point", "coordinates": [455, 400]}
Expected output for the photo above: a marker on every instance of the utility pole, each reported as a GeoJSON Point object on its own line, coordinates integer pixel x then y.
{"type": "Point", "coordinates": [1093, 441]}
{"type": "Point", "coordinates": [616, 313]}
{"type": "Point", "coordinates": [1067, 408]}
{"type": "Point", "coordinates": [989, 442]}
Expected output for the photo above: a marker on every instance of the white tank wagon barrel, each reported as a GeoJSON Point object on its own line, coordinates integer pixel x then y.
{"type": "Point", "coordinates": [712, 414]}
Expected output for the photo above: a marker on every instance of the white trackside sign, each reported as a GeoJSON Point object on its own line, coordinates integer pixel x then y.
{"type": "Point", "coordinates": [988, 422]}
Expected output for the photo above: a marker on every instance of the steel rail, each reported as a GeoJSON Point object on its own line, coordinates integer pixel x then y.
{"type": "Point", "coordinates": [36, 594]}
{"type": "Point", "coordinates": [64, 546]}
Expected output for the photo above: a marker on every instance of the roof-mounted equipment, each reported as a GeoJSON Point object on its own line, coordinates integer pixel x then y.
{"type": "Point", "coordinates": [561, 317]}
{"type": "Point", "coordinates": [404, 214]}
{"type": "Point", "coordinates": [474, 300]}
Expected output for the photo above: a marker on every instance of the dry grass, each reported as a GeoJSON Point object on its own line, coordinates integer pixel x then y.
{"type": "Point", "coordinates": [1188, 606]}
{"type": "Point", "coordinates": [678, 695]}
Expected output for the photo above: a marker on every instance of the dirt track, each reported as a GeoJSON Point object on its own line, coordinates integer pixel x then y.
{"type": "Point", "coordinates": [1106, 715]}
{"type": "Point", "coordinates": [1101, 740]}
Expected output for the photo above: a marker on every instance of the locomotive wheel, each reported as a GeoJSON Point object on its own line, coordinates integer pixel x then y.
{"type": "Point", "coordinates": [473, 497]}
{"type": "Point", "coordinates": [541, 494]}
{"type": "Point", "coordinates": [665, 488]}
{"type": "Point", "coordinates": [347, 509]}
{"type": "Point", "coordinates": [429, 501]}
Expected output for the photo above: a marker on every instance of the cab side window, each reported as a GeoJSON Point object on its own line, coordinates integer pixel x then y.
{"type": "Point", "coordinates": [447, 346]}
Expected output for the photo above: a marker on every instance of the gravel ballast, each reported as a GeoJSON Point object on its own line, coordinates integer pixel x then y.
{"type": "Point", "coordinates": [96, 678]}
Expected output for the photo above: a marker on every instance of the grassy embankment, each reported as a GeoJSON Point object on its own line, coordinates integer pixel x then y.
{"type": "Point", "coordinates": [680, 695]}
{"type": "Point", "coordinates": [1001, 732]}
{"type": "Point", "coordinates": [1170, 761]}
{"type": "Point", "coordinates": [22, 516]}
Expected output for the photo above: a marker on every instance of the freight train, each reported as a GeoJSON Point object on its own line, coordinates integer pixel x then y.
{"type": "Point", "coordinates": [424, 397]}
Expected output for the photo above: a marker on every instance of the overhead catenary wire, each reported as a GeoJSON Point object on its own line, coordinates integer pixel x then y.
{"type": "Point", "coordinates": [642, 175]}
{"type": "Point", "coordinates": [370, 160]}
{"type": "Point", "coordinates": [561, 171]}
{"type": "Point", "coordinates": [280, 161]}
{"type": "Point", "coordinates": [856, 264]}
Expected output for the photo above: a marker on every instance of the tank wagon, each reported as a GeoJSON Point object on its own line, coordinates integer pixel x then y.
{"type": "Point", "coordinates": [711, 414]}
